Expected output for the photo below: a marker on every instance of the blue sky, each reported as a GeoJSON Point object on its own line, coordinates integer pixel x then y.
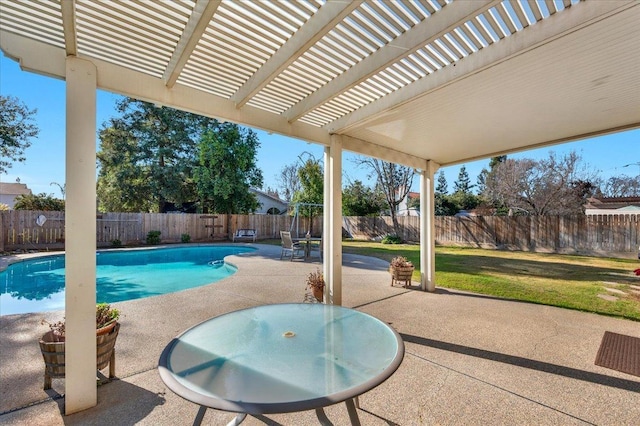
{"type": "Point", "coordinates": [45, 158]}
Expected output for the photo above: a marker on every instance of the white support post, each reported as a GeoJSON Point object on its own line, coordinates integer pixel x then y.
{"type": "Point", "coordinates": [80, 236]}
{"type": "Point", "coordinates": [333, 192]}
{"type": "Point", "coordinates": [427, 228]}
{"type": "Point", "coordinates": [326, 226]}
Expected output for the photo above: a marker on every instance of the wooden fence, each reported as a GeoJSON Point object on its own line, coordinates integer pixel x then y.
{"type": "Point", "coordinates": [562, 234]}
{"type": "Point", "coordinates": [594, 234]}
{"type": "Point", "coordinates": [19, 228]}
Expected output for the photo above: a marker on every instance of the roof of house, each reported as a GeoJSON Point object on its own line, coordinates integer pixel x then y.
{"type": "Point", "coordinates": [265, 194]}
{"type": "Point", "coordinates": [614, 203]}
{"type": "Point", "coordinates": [14, 189]}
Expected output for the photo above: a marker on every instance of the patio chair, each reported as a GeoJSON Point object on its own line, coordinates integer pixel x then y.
{"type": "Point", "coordinates": [289, 246]}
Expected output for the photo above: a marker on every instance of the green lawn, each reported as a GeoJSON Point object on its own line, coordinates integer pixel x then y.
{"type": "Point", "coordinates": [567, 281]}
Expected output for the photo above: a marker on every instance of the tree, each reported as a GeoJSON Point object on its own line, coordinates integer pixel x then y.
{"type": "Point", "coordinates": [360, 200]}
{"type": "Point", "coordinates": [311, 176]}
{"type": "Point", "coordinates": [16, 128]}
{"type": "Point", "coordinates": [289, 181]}
{"type": "Point", "coordinates": [147, 155]}
{"type": "Point", "coordinates": [463, 198]}
{"type": "Point", "coordinates": [227, 170]}
{"type": "Point", "coordinates": [463, 184]}
{"type": "Point", "coordinates": [42, 201]}
{"type": "Point", "coordinates": [393, 180]}
{"type": "Point", "coordinates": [441, 187]}
{"type": "Point", "coordinates": [484, 173]}
{"type": "Point", "coordinates": [443, 206]}
{"type": "Point", "coordinates": [551, 186]}
{"type": "Point", "coordinates": [622, 186]}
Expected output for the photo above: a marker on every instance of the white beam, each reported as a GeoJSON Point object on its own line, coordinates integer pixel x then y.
{"type": "Point", "coordinates": [440, 23]}
{"type": "Point", "coordinates": [68, 9]}
{"type": "Point", "coordinates": [323, 21]}
{"type": "Point", "coordinates": [427, 227]}
{"type": "Point", "coordinates": [543, 32]}
{"type": "Point", "coordinates": [202, 14]}
{"type": "Point", "coordinates": [381, 152]}
{"type": "Point", "coordinates": [80, 234]}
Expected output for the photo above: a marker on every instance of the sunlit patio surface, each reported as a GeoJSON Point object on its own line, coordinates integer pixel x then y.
{"type": "Point", "coordinates": [469, 359]}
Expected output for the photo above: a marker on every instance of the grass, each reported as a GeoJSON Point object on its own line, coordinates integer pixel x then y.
{"type": "Point", "coordinates": [567, 281]}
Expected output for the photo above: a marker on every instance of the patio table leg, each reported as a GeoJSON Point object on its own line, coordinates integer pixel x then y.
{"type": "Point", "coordinates": [198, 420]}
{"type": "Point", "coordinates": [351, 409]}
{"type": "Point", "coordinates": [235, 422]}
{"type": "Point", "coordinates": [353, 414]}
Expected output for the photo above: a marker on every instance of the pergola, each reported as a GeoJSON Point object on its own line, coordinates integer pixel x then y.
{"type": "Point", "coordinates": [424, 83]}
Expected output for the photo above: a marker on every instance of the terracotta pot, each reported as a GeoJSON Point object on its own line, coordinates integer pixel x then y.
{"type": "Point", "coordinates": [106, 329]}
{"type": "Point", "coordinates": [317, 293]}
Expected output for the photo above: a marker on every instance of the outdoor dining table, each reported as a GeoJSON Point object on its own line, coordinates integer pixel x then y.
{"type": "Point", "coordinates": [307, 241]}
{"type": "Point", "coordinates": [281, 358]}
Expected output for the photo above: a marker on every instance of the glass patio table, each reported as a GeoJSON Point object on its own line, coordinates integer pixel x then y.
{"type": "Point", "coordinates": [281, 358]}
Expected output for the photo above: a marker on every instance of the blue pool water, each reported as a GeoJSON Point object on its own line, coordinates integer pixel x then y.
{"type": "Point", "coordinates": [37, 285]}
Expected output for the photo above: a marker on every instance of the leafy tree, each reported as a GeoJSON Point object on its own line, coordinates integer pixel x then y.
{"type": "Point", "coordinates": [441, 186]}
{"type": "Point", "coordinates": [394, 181]}
{"type": "Point", "coordinates": [463, 184]}
{"type": "Point", "coordinates": [360, 200]}
{"type": "Point", "coordinates": [463, 198]}
{"type": "Point", "coordinates": [227, 170]}
{"type": "Point", "coordinates": [311, 176]}
{"type": "Point", "coordinates": [16, 128]}
{"type": "Point", "coordinates": [443, 206]}
{"type": "Point", "coordinates": [289, 181]}
{"type": "Point", "coordinates": [42, 201]}
{"type": "Point", "coordinates": [484, 173]}
{"type": "Point", "coordinates": [551, 186]}
{"type": "Point", "coordinates": [485, 203]}
{"type": "Point", "coordinates": [622, 186]}
{"type": "Point", "coordinates": [414, 203]}
{"type": "Point", "coordinates": [146, 157]}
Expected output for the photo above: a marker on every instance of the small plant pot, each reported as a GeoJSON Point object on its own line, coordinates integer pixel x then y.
{"type": "Point", "coordinates": [52, 348]}
{"type": "Point", "coordinates": [317, 293]}
{"type": "Point", "coordinates": [401, 274]}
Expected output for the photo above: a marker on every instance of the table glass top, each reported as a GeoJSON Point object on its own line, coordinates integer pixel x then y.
{"type": "Point", "coordinates": [276, 354]}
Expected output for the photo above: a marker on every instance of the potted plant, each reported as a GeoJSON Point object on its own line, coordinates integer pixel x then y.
{"type": "Point", "coordinates": [52, 344]}
{"type": "Point", "coordinates": [315, 283]}
{"type": "Point", "coordinates": [401, 270]}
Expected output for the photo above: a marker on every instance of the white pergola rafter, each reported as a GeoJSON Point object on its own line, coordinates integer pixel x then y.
{"type": "Point", "coordinates": [69, 25]}
{"type": "Point", "coordinates": [202, 14]}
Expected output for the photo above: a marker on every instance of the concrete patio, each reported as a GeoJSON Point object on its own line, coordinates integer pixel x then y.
{"type": "Point", "coordinates": [469, 359]}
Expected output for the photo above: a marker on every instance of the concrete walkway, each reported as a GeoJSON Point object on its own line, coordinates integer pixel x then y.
{"type": "Point", "coordinates": [469, 359]}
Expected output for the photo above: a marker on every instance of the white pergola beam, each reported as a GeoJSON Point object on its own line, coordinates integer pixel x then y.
{"type": "Point", "coordinates": [323, 21]}
{"type": "Point", "coordinates": [450, 17]}
{"type": "Point", "coordinates": [381, 152]}
{"type": "Point", "coordinates": [202, 14]}
{"type": "Point", "coordinates": [517, 44]}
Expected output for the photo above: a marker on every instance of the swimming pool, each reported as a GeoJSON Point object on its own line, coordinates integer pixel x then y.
{"type": "Point", "coordinates": [37, 285]}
